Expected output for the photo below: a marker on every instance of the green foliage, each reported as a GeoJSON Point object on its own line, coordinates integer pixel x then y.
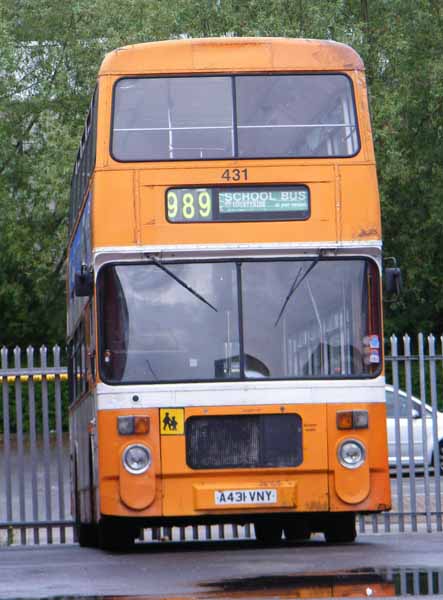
{"type": "Point", "coordinates": [50, 55]}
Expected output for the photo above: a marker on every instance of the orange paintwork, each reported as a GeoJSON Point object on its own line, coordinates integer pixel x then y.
{"type": "Point", "coordinates": [359, 215]}
{"type": "Point", "coordinates": [122, 493]}
{"type": "Point", "coordinates": [136, 491]}
{"type": "Point", "coordinates": [171, 488]}
{"type": "Point", "coordinates": [128, 209]}
{"type": "Point", "coordinates": [186, 491]}
{"type": "Point", "coordinates": [367, 487]}
{"type": "Point", "coordinates": [231, 54]}
{"type": "Point", "coordinates": [145, 221]}
{"type": "Point", "coordinates": [129, 198]}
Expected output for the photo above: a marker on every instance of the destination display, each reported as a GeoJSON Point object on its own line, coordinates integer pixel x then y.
{"type": "Point", "coordinates": [245, 203]}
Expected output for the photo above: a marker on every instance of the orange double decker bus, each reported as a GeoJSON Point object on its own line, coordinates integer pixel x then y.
{"type": "Point", "coordinates": [224, 303]}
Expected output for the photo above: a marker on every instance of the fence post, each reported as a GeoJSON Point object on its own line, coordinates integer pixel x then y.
{"type": "Point", "coordinates": [422, 371]}
{"type": "Point", "coordinates": [33, 441]}
{"type": "Point", "coordinates": [398, 466]}
{"type": "Point", "coordinates": [412, 480]}
{"type": "Point", "coordinates": [435, 441]}
{"type": "Point", "coordinates": [59, 440]}
{"type": "Point", "coordinates": [6, 437]}
{"type": "Point", "coordinates": [20, 445]}
{"type": "Point", "coordinates": [46, 442]}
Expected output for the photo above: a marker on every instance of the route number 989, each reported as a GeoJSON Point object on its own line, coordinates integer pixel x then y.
{"type": "Point", "coordinates": [189, 205]}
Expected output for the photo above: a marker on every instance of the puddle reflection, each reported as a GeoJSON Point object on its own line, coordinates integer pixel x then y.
{"type": "Point", "coordinates": [359, 583]}
{"type": "Point", "coordinates": [346, 584]}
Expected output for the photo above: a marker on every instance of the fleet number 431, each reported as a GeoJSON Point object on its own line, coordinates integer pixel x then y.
{"type": "Point", "coordinates": [235, 175]}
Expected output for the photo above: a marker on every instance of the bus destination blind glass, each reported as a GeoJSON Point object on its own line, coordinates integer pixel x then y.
{"type": "Point", "coordinates": [196, 205]}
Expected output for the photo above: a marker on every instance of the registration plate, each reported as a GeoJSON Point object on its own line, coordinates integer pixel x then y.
{"type": "Point", "coordinates": [264, 496]}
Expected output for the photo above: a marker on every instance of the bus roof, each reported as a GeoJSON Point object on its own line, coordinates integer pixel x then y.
{"type": "Point", "coordinates": [231, 54]}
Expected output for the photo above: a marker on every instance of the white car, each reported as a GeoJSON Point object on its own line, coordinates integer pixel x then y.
{"type": "Point", "coordinates": [417, 423]}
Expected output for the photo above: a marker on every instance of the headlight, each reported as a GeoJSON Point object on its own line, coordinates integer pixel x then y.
{"type": "Point", "coordinates": [351, 454]}
{"type": "Point", "coordinates": [137, 459]}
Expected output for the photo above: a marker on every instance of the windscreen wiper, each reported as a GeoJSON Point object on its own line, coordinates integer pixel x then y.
{"type": "Point", "coordinates": [161, 266]}
{"type": "Point", "coordinates": [295, 284]}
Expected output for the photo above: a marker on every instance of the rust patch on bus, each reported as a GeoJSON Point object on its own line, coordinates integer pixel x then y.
{"type": "Point", "coordinates": [366, 233]}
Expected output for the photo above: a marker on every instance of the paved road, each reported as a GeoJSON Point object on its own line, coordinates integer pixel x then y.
{"type": "Point", "coordinates": [202, 570]}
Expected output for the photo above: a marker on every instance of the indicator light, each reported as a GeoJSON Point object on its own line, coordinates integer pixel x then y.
{"type": "Point", "coordinates": [131, 425]}
{"type": "Point", "coordinates": [352, 419]}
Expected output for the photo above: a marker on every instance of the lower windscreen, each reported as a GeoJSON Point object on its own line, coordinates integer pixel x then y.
{"type": "Point", "coordinates": [243, 319]}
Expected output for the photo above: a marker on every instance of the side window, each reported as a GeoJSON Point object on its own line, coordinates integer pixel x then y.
{"type": "Point", "coordinates": [92, 343]}
{"type": "Point", "coordinates": [77, 364]}
{"type": "Point", "coordinates": [85, 162]}
{"type": "Point", "coordinates": [71, 372]}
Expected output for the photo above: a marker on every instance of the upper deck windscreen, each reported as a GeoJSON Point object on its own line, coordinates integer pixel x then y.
{"type": "Point", "coordinates": [245, 116]}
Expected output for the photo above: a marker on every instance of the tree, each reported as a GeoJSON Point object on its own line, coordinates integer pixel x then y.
{"type": "Point", "coordinates": [403, 49]}
{"type": "Point", "coordinates": [49, 59]}
{"type": "Point", "coordinates": [50, 55]}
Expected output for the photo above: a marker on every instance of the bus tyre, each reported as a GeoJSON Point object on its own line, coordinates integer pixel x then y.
{"type": "Point", "coordinates": [268, 531]}
{"type": "Point", "coordinates": [87, 535]}
{"type": "Point", "coordinates": [297, 529]}
{"type": "Point", "coordinates": [115, 536]}
{"type": "Point", "coordinates": [340, 528]}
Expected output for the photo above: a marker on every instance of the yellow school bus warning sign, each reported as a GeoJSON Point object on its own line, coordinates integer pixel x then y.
{"type": "Point", "coordinates": [172, 421]}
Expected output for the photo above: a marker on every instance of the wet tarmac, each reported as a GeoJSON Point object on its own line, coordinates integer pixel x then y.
{"type": "Point", "coordinates": [358, 583]}
{"type": "Point", "coordinates": [396, 566]}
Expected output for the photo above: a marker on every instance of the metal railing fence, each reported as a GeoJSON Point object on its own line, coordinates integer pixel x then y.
{"type": "Point", "coordinates": [415, 435]}
{"type": "Point", "coordinates": [34, 447]}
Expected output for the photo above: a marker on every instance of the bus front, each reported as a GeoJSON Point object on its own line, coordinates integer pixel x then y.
{"type": "Point", "coordinates": [239, 329]}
